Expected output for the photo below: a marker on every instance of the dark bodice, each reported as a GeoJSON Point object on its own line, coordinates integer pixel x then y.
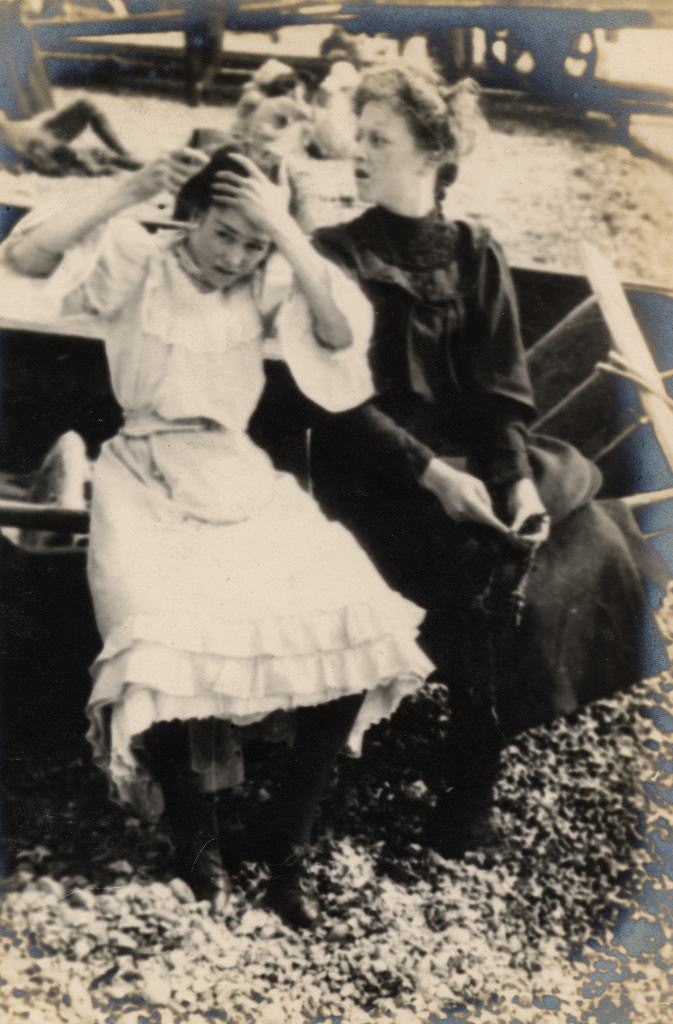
{"type": "Point", "coordinates": [449, 370]}
{"type": "Point", "coordinates": [446, 356]}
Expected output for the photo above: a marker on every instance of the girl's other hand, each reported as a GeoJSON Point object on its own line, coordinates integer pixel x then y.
{"type": "Point", "coordinates": [181, 165]}
{"type": "Point", "coordinates": [168, 173]}
{"type": "Point", "coordinates": [463, 497]}
{"type": "Point", "coordinates": [529, 519]}
{"type": "Point", "coordinates": [255, 196]}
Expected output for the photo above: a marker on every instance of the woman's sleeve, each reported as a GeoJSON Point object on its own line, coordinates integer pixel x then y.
{"type": "Point", "coordinates": [389, 450]}
{"type": "Point", "coordinates": [334, 380]}
{"type": "Point", "coordinates": [96, 275]}
{"type": "Point", "coordinates": [495, 381]}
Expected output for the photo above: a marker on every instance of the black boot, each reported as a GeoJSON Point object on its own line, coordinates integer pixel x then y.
{"type": "Point", "coordinates": [285, 826]}
{"type": "Point", "coordinates": [198, 860]}
{"type": "Point", "coordinates": [291, 892]}
{"type": "Point", "coordinates": [191, 815]}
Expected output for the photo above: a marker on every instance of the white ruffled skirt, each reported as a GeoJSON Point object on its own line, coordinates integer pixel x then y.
{"type": "Point", "coordinates": [270, 607]}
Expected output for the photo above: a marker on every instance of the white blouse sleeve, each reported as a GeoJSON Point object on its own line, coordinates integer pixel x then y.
{"type": "Point", "coordinates": [336, 380]}
{"type": "Point", "coordinates": [97, 274]}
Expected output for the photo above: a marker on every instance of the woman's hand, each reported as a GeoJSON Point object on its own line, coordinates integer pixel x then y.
{"type": "Point", "coordinates": [463, 497]}
{"type": "Point", "coordinates": [529, 518]}
{"type": "Point", "coordinates": [256, 197]}
{"type": "Point", "coordinates": [168, 173]}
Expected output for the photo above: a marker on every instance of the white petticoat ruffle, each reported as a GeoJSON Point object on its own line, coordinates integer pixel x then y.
{"type": "Point", "coordinates": [270, 667]}
{"type": "Point", "coordinates": [235, 622]}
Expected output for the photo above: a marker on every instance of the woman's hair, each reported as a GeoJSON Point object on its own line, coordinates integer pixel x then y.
{"type": "Point", "coordinates": [196, 195]}
{"type": "Point", "coordinates": [443, 119]}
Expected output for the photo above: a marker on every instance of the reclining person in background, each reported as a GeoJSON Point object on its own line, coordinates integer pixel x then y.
{"type": "Point", "coordinates": [44, 143]}
{"type": "Point", "coordinates": [223, 596]}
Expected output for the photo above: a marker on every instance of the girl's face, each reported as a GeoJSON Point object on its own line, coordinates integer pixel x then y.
{"type": "Point", "coordinates": [226, 246]}
{"type": "Point", "coordinates": [389, 163]}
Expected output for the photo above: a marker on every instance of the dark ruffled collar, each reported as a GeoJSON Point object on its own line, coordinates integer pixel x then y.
{"type": "Point", "coordinates": [410, 243]}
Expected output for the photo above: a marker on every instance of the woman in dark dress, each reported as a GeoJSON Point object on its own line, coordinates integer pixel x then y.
{"type": "Point", "coordinates": [532, 589]}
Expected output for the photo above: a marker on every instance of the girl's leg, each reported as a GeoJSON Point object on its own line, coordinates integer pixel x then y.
{"type": "Point", "coordinates": [191, 815]}
{"type": "Point", "coordinates": [286, 829]}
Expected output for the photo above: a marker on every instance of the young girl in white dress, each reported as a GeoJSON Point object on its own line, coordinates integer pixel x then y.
{"type": "Point", "coordinates": [221, 592]}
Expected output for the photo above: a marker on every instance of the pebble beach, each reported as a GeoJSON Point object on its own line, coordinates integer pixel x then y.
{"type": "Point", "coordinates": [568, 920]}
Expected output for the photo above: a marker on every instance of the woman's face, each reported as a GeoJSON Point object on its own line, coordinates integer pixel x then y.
{"type": "Point", "coordinates": [389, 163]}
{"type": "Point", "coordinates": [226, 246]}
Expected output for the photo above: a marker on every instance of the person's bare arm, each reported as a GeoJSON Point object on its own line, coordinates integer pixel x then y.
{"type": "Point", "coordinates": [37, 253]}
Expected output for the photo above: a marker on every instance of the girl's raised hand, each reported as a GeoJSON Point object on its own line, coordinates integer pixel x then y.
{"type": "Point", "coordinates": [168, 173]}
{"type": "Point", "coordinates": [255, 196]}
{"type": "Point", "coordinates": [180, 165]}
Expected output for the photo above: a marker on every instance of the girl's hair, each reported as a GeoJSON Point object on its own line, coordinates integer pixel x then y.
{"type": "Point", "coordinates": [196, 195]}
{"type": "Point", "coordinates": [443, 119]}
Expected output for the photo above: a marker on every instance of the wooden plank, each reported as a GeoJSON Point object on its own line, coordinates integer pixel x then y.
{"type": "Point", "coordinates": [656, 13]}
{"type": "Point", "coordinates": [33, 516]}
{"type": "Point", "coordinates": [630, 344]}
{"type": "Point", "coordinates": [323, 6]}
{"type": "Point", "coordinates": [636, 501]}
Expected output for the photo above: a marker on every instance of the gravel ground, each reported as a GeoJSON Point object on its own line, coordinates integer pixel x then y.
{"type": "Point", "coordinates": [570, 919]}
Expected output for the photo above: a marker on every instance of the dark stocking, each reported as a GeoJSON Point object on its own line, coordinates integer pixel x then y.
{"type": "Point", "coordinates": [191, 815]}
{"type": "Point", "coordinates": [321, 733]}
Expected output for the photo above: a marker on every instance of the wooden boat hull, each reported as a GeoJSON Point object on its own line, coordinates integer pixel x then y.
{"type": "Point", "coordinates": [52, 383]}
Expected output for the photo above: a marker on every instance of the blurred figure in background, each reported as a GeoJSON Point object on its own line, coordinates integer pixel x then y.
{"type": "Point", "coordinates": [272, 119]}
{"type": "Point", "coordinates": [24, 86]}
{"type": "Point", "coordinates": [43, 143]}
{"type": "Point", "coordinates": [275, 78]}
{"type": "Point", "coordinates": [334, 120]}
{"type": "Point", "coordinates": [275, 120]}
{"type": "Point", "coordinates": [272, 80]}
{"type": "Point", "coordinates": [279, 129]}
{"type": "Point", "coordinates": [204, 32]}
{"type": "Point", "coordinates": [340, 45]}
